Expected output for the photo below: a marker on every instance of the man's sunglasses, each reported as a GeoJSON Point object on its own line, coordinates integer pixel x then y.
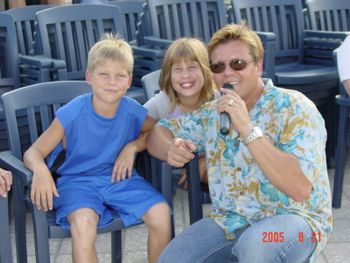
{"type": "Point", "coordinates": [235, 64]}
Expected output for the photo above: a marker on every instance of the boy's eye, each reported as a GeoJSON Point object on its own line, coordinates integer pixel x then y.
{"type": "Point", "coordinates": [121, 76]}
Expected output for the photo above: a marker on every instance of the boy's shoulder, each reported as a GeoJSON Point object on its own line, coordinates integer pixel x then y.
{"type": "Point", "coordinates": [74, 108]}
{"type": "Point", "coordinates": [132, 105]}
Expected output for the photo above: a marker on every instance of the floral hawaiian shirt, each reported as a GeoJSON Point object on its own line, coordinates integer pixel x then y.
{"type": "Point", "coordinates": [240, 192]}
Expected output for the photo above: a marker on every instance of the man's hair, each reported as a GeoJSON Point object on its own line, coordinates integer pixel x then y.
{"type": "Point", "coordinates": [113, 48]}
{"type": "Point", "coordinates": [239, 32]}
{"type": "Point", "coordinates": [188, 49]}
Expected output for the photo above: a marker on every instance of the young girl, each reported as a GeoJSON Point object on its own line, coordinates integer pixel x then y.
{"type": "Point", "coordinates": [186, 83]}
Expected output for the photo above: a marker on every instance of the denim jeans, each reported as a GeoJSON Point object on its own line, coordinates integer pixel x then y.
{"type": "Point", "coordinates": [280, 238]}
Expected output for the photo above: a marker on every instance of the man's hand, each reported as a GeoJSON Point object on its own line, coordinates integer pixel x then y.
{"type": "Point", "coordinates": [5, 182]}
{"type": "Point", "coordinates": [180, 152]}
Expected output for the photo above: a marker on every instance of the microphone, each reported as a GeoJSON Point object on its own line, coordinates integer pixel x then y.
{"type": "Point", "coordinates": [225, 121]}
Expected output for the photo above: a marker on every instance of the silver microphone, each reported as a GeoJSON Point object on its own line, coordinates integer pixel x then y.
{"type": "Point", "coordinates": [225, 121]}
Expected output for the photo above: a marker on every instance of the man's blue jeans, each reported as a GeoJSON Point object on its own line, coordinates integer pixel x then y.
{"type": "Point", "coordinates": [280, 238]}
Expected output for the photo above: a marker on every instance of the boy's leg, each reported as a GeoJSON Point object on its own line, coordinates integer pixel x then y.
{"type": "Point", "coordinates": [157, 220]}
{"type": "Point", "coordinates": [83, 224]}
{"type": "Point", "coordinates": [280, 238]}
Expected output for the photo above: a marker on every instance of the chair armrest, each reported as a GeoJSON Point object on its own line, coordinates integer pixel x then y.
{"type": "Point", "coordinates": [9, 162]}
{"type": "Point", "coordinates": [194, 189]}
{"type": "Point", "coordinates": [319, 46]}
{"type": "Point", "coordinates": [342, 101]}
{"type": "Point", "coordinates": [40, 68]}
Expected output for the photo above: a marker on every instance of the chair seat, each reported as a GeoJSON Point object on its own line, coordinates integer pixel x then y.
{"type": "Point", "coordinates": [56, 231]}
{"type": "Point", "coordinates": [301, 74]}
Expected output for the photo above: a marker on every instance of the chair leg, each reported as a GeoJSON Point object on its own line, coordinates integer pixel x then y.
{"type": "Point", "coordinates": [116, 248]}
{"type": "Point", "coordinates": [5, 240]}
{"type": "Point", "coordinates": [341, 153]}
{"type": "Point", "coordinates": [194, 190]}
{"type": "Point", "coordinates": [41, 236]}
{"type": "Point", "coordinates": [19, 205]}
{"type": "Point", "coordinates": [164, 172]}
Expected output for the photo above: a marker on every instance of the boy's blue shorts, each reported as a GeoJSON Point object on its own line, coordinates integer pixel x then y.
{"type": "Point", "coordinates": [130, 198]}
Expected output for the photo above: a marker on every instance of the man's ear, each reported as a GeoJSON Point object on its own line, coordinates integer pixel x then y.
{"type": "Point", "coordinates": [260, 67]}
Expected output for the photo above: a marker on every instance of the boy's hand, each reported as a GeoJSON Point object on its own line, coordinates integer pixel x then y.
{"type": "Point", "coordinates": [124, 164]}
{"type": "Point", "coordinates": [43, 186]}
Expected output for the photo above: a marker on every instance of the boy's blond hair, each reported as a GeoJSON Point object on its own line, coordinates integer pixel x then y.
{"type": "Point", "coordinates": [239, 32]}
{"type": "Point", "coordinates": [189, 49]}
{"type": "Point", "coordinates": [113, 48]}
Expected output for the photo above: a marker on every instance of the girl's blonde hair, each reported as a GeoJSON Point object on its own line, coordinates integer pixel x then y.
{"type": "Point", "coordinates": [190, 49]}
{"type": "Point", "coordinates": [113, 48]}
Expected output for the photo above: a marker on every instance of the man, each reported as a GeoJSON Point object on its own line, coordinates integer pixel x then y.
{"type": "Point", "coordinates": [268, 177]}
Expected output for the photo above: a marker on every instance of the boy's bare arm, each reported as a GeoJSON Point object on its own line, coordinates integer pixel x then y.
{"type": "Point", "coordinates": [43, 185]}
{"type": "Point", "coordinates": [125, 161]}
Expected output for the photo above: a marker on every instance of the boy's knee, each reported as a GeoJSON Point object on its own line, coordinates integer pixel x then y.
{"type": "Point", "coordinates": [83, 223]}
{"type": "Point", "coordinates": [157, 215]}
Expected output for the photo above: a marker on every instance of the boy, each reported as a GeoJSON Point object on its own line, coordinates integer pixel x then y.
{"type": "Point", "coordinates": [93, 129]}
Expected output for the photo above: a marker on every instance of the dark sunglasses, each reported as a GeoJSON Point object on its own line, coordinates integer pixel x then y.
{"type": "Point", "coordinates": [235, 64]}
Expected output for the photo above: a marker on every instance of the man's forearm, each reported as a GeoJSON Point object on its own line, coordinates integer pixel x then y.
{"type": "Point", "coordinates": [158, 142]}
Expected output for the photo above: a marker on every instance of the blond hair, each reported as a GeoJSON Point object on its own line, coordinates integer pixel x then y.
{"type": "Point", "coordinates": [239, 32]}
{"type": "Point", "coordinates": [111, 47]}
{"type": "Point", "coordinates": [190, 49]}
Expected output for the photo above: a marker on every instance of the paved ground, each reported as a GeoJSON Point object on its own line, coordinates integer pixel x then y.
{"type": "Point", "coordinates": [134, 239]}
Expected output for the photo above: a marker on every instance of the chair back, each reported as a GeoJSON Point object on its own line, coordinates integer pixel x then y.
{"type": "Point", "coordinates": [131, 12]}
{"type": "Point", "coordinates": [172, 19]}
{"type": "Point", "coordinates": [329, 15]}
{"type": "Point", "coordinates": [25, 22]}
{"type": "Point", "coordinates": [283, 17]}
{"type": "Point", "coordinates": [37, 104]}
{"type": "Point", "coordinates": [9, 70]}
{"type": "Point", "coordinates": [68, 32]}
{"type": "Point", "coordinates": [150, 83]}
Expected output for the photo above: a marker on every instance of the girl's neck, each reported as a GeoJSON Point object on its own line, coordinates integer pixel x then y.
{"type": "Point", "coordinates": [189, 104]}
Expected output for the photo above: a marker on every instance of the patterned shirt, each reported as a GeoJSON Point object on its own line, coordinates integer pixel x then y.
{"type": "Point", "coordinates": [241, 194]}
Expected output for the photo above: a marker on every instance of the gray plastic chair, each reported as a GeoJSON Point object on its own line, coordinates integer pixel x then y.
{"type": "Point", "coordinates": [172, 19]}
{"type": "Point", "coordinates": [39, 102]}
{"type": "Point", "coordinates": [150, 83]}
{"type": "Point", "coordinates": [68, 32]}
{"type": "Point", "coordinates": [9, 70]}
{"type": "Point", "coordinates": [25, 22]}
{"type": "Point", "coordinates": [329, 15]}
